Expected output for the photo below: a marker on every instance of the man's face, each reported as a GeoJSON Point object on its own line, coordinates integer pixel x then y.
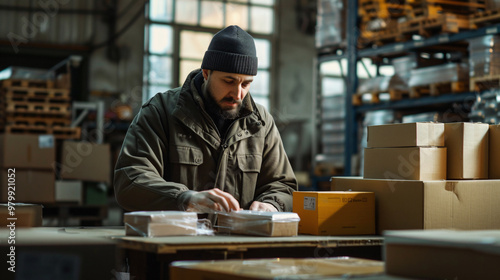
{"type": "Point", "coordinates": [227, 90]}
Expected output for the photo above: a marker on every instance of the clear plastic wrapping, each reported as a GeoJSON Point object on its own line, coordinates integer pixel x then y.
{"type": "Point", "coordinates": [258, 223]}
{"type": "Point", "coordinates": [165, 223]}
{"type": "Point", "coordinates": [382, 84]}
{"type": "Point", "coordinates": [484, 56]}
{"type": "Point", "coordinates": [330, 27]}
{"type": "Point", "coordinates": [450, 72]}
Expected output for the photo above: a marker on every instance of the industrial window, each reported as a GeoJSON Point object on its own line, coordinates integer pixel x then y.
{"type": "Point", "coordinates": [178, 33]}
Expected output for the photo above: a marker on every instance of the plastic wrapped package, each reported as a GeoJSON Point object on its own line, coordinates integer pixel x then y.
{"type": "Point", "coordinates": [165, 223]}
{"type": "Point", "coordinates": [484, 56]}
{"type": "Point", "coordinates": [259, 223]}
{"type": "Point", "coordinates": [450, 72]}
{"type": "Point", "coordinates": [330, 27]}
{"type": "Point", "coordinates": [281, 268]}
{"type": "Point", "coordinates": [382, 84]}
{"type": "Point", "coordinates": [14, 72]}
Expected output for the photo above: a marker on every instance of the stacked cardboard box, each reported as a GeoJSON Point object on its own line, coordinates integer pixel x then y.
{"type": "Point", "coordinates": [406, 197]}
{"type": "Point", "coordinates": [413, 151]}
{"type": "Point", "coordinates": [26, 165]}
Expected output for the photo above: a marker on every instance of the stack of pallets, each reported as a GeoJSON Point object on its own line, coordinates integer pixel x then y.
{"type": "Point", "coordinates": [36, 107]}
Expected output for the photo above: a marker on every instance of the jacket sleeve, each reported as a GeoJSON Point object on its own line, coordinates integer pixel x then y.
{"type": "Point", "coordinates": [139, 171]}
{"type": "Point", "coordinates": [277, 181]}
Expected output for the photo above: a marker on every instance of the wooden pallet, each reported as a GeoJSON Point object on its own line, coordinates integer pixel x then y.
{"type": "Point", "coordinates": [27, 83]}
{"type": "Point", "coordinates": [484, 18]}
{"type": "Point", "coordinates": [38, 121]}
{"type": "Point", "coordinates": [58, 132]}
{"type": "Point", "coordinates": [381, 9]}
{"type": "Point", "coordinates": [9, 98]}
{"type": "Point", "coordinates": [484, 83]}
{"type": "Point", "coordinates": [38, 93]}
{"type": "Point", "coordinates": [37, 108]}
{"type": "Point", "coordinates": [357, 99]}
{"type": "Point", "coordinates": [438, 89]}
{"type": "Point", "coordinates": [444, 23]}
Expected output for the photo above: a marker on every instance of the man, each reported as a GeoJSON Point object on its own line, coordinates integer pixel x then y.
{"type": "Point", "coordinates": [206, 146]}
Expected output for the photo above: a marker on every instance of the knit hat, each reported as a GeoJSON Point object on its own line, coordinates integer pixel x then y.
{"type": "Point", "coordinates": [231, 50]}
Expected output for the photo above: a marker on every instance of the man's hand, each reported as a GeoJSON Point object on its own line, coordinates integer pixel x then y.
{"type": "Point", "coordinates": [211, 201]}
{"type": "Point", "coordinates": [262, 206]}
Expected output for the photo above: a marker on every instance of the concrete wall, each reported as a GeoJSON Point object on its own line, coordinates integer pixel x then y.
{"type": "Point", "coordinates": [294, 100]}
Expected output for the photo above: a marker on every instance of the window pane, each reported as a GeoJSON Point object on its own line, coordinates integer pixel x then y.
{"type": "Point", "coordinates": [263, 52]}
{"type": "Point", "coordinates": [262, 20]}
{"type": "Point", "coordinates": [160, 69]}
{"type": "Point", "coordinates": [160, 39]}
{"type": "Point", "coordinates": [237, 15]}
{"type": "Point", "coordinates": [186, 11]}
{"type": "Point", "coordinates": [194, 44]}
{"type": "Point", "coordinates": [154, 89]}
{"type": "Point", "coordinates": [160, 10]}
{"type": "Point", "coordinates": [263, 2]}
{"type": "Point", "coordinates": [264, 101]}
{"type": "Point", "coordinates": [332, 86]}
{"type": "Point", "coordinates": [186, 67]}
{"type": "Point", "coordinates": [260, 84]}
{"type": "Point", "coordinates": [212, 14]}
{"type": "Point", "coordinates": [331, 68]}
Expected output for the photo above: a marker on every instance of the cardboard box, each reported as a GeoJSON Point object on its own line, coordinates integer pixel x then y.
{"type": "Point", "coordinates": [33, 186]}
{"type": "Point", "coordinates": [405, 204]}
{"type": "Point", "coordinates": [442, 254]}
{"type": "Point", "coordinates": [69, 191]}
{"type": "Point", "coordinates": [258, 223]}
{"type": "Point", "coordinates": [26, 215]}
{"type": "Point", "coordinates": [160, 223]}
{"type": "Point", "coordinates": [282, 268]}
{"type": "Point", "coordinates": [86, 161]}
{"type": "Point", "coordinates": [412, 163]}
{"type": "Point", "coordinates": [335, 213]}
{"type": "Point", "coordinates": [422, 134]}
{"type": "Point", "coordinates": [467, 145]}
{"type": "Point", "coordinates": [494, 152]}
{"type": "Point", "coordinates": [27, 151]}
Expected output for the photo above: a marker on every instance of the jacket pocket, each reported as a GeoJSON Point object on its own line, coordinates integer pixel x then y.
{"type": "Point", "coordinates": [247, 183]}
{"type": "Point", "coordinates": [184, 165]}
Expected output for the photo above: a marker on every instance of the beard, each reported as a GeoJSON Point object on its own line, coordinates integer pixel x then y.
{"type": "Point", "coordinates": [216, 106]}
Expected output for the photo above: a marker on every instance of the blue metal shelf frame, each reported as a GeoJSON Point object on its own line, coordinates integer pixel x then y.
{"type": "Point", "coordinates": [352, 54]}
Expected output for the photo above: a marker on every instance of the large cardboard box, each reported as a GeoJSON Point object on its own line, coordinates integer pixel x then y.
{"type": "Point", "coordinates": [443, 254]}
{"type": "Point", "coordinates": [160, 223]}
{"type": "Point", "coordinates": [25, 214]}
{"type": "Point", "coordinates": [27, 151]}
{"type": "Point", "coordinates": [494, 152]}
{"type": "Point", "coordinates": [406, 204]}
{"type": "Point", "coordinates": [467, 145]}
{"type": "Point", "coordinates": [33, 186]}
{"type": "Point", "coordinates": [335, 213]}
{"type": "Point", "coordinates": [412, 163]}
{"type": "Point", "coordinates": [423, 134]}
{"type": "Point", "coordinates": [258, 223]}
{"type": "Point", "coordinates": [282, 268]}
{"type": "Point", "coordinates": [86, 161]}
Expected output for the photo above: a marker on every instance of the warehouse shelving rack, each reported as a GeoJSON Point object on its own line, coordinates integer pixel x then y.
{"type": "Point", "coordinates": [353, 54]}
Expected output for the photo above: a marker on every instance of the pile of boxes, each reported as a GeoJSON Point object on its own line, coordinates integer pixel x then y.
{"type": "Point", "coordinates": [48, 171]}
{"type": "Point", "coordinates": [431, 175]}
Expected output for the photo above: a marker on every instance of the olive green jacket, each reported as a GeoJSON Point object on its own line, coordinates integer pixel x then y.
{"type": "Point", "coordinates": [173, 147]}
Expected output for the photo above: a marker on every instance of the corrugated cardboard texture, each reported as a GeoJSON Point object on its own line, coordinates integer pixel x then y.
{"type": "Point", "coordinates": [86, 161]}
{"type": "Point", "coordinates": [440, 255]}
{"type": "Point", "coordinates": [467, 145]}
{"type": "Point", "coordinates": [494, 152]}
{"type": "Point", "coordinates": [27, 151]}
{"type": "Point", "coordinates": [413, 163]}
{"type": "Point", "coordinates": [31, 186]}
{"type": "Point", "coordinates": [69, 191]}
{"type": "Point", "coordinates": [282, 268]}
{"type": "Point", "coordinates": [335, 213]}
{"type": "Point", "coordinates": [406, 135]}
{"type": "Point", "coordinates": [404, 204]}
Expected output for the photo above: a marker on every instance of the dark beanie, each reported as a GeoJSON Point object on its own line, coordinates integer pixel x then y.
{"type": "Point", "coordinates": [231, 50]}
